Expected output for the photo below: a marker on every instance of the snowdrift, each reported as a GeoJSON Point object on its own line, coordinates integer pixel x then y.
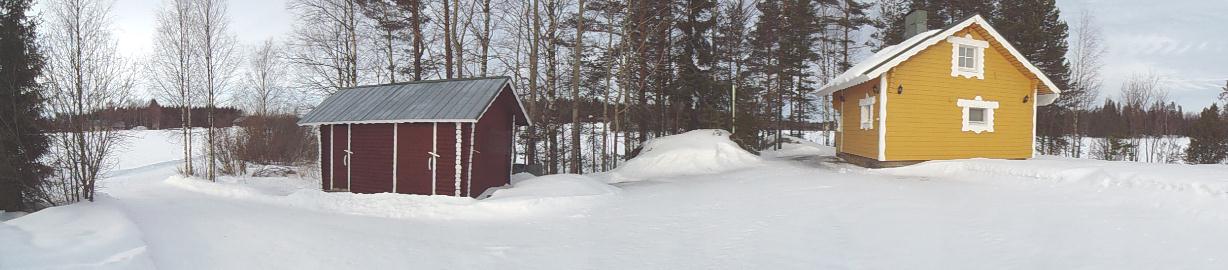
{"type": "Point", "coordinates": [797, 147]}
{"type": "Point", "coordinates": [548, 194]}
{"type": "Point", "coordinates": [55, 238]}
{"type": "Point", "coordinates": [697, 152]}
{"type": "Point", "coordinates": [554, 186]}
{"type": "Point", "coordinates": [1210, 180]}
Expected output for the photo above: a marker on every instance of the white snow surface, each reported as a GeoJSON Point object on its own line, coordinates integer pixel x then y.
{"type": "Point", "coordinates": [797, 147]}
{"type": "Point", "coordinates": [697, 152]}
{"type": "Point", "coordinates": [794, 213]}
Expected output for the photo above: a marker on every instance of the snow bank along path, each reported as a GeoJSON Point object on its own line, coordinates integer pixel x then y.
{"type": "Point", "coordinates": [1206, 180]}
{"type": "Point", "coordinates": [775, 214]}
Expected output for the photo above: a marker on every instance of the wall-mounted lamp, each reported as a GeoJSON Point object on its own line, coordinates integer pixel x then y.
{"type": "Point", "coordinates": [899, 90]}
{"type": "Point", "coordinates": [1025, 98]}
{"type": "Point", "coordinates": [841, 97]}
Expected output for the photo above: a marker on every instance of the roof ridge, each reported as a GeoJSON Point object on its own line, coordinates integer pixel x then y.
{"type": "Point", "coordinates": [429, 81]}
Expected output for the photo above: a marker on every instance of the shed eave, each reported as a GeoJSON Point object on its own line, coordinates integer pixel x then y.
{"type": "Point", "coordinates": [394, 121]}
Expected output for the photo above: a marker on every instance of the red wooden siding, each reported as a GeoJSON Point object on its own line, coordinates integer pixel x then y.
{"type": "Point", "coordinates": [371, 162]}
{"type": "Point", "coordinates": [325, 148]}
{"type": "Point", "coordinates": [493, 144]}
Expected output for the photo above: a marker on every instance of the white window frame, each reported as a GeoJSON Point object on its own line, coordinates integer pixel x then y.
{"type": "Point", "coordinates": [866, 107]}
{"type": "Point", "coordinates": [839, 121]}
{"type": "Point", "coordinates": [978, 48]}
{"type": "Point", "coordinates": [978, 103]}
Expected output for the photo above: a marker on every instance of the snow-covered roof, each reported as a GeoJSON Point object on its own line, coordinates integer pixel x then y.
{"type": "Point", "coordinates": [893, 55]}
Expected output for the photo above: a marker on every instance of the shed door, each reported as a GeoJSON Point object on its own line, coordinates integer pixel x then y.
{"type": "Point", "coordinates": [341, 155]}
{"type": "Point", "coordinates": [414, 153]}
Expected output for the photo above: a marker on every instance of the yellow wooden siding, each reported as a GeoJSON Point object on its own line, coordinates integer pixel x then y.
{"type": "Point", "coordinates": [924, 122]}
{"type": "Point", "coordinates": [854, 140]}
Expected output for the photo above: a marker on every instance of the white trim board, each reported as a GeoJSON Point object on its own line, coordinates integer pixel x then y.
{"type": "Point", "coordinates": [457, 167]}
{"type": "Point", "coordinates": [882, 122]}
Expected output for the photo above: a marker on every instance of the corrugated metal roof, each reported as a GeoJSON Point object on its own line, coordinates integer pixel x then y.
{"type": "Point", "coordinates": [455, 100]}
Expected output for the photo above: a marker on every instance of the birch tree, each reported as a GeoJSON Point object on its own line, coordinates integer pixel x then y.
{"type": "Point", "coordinates": [324, 44]}
{"type": "Point", "coordinates": [216, 48]}
{"type": "Point", "coordinates": [172, 65]}
{"type": "Point", "coordinates": [264, 77]}
{"type": "Point", "coordinates": [85, 74]}
{"type": "Point", "coordinates": [1086, 62]}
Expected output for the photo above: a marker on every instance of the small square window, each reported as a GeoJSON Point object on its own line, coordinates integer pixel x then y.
{"type": "Point", "coordinates": [976, 115]}
{"type": "Point", "coordinates": [967, 56]}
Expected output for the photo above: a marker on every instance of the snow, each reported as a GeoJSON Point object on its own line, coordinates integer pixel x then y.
{"type": "Point", "coordinates": [697, 152]}
{"type": "Point", "coordinates": [553, 186]}
{"type": "Point", "coordinates": [797, 147]}
{"type": "Point", "coordinates": [80, 236]}
{"type": "Point", "coordinates": [854, 75]}
{"type": "Point", "coordinates": [1205, 180]}
{"type": "Point", "coordinates": [793, 212]}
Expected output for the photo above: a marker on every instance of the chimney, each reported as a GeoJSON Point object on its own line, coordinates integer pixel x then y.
{"type": "Point", "coordinates": [915, 23]}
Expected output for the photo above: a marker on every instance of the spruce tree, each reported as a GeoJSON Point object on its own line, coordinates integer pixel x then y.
{"type": "Point", "coordinates": [694, 95]}
{"type": "Point", "coordinates": [764, 62]}
{"type": "Point", "coordinates": [1208, 138]}
{"type": "Point", "coordinates": [22, 141]}
{"type": "Point", "coordinates": [1035, 28]}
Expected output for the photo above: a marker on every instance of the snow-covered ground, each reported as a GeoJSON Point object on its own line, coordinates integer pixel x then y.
{"type": "Point", "coordinates": [792, 210]}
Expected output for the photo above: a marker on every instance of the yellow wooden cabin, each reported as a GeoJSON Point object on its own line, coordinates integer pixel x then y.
{"type": "Point", "coordinates": [958, 92]}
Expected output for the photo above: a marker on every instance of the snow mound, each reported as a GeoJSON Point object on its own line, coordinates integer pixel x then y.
{"type": "Point", "coordinates": [797, 147]}
{"type": "Point", "coordinates": [55, 238]}
{"type": "Point", "coordinates": [554, 186]}
{"type": "Point", "coordinates": [1209, 180]}
{"type": "Point", "coordinates": [697, 152]}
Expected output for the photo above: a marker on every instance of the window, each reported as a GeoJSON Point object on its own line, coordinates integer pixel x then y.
{"type": "Point", "coordinates": [967, 56]}
{"type": "Point", "coordinates": [839, 121]}
{"type": "Point", "coordinates": [866, 106]}
{"type": "Point", "coordinates": [977, 114]}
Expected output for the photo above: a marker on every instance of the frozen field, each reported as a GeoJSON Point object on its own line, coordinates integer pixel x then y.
{"type": "Point", "coordinates": [791, 209]}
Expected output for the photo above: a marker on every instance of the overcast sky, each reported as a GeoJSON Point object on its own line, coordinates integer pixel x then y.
{"type": "Point", "coordinates": [1184, 41]}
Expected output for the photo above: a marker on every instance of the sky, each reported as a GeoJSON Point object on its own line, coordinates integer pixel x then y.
{"type": "Point", "coordinates": [1185, 42]}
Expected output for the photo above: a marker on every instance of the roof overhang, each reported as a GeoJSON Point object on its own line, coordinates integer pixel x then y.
{"type": "Point", "coordinates": [890, 62]}
{"type": "Point", "coordinates": [507, 86]}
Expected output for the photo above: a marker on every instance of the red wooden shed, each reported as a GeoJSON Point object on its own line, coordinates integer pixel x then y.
{"type": "Point", "coordinates": [440, 137]}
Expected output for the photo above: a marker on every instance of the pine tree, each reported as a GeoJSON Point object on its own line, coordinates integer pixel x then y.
{"type": "Point", "coordinates": [1208, 138]}
{"type": "Point", "coordinates": [22, 141]}
{"type": "Point", "coordinates": [852, 15]}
